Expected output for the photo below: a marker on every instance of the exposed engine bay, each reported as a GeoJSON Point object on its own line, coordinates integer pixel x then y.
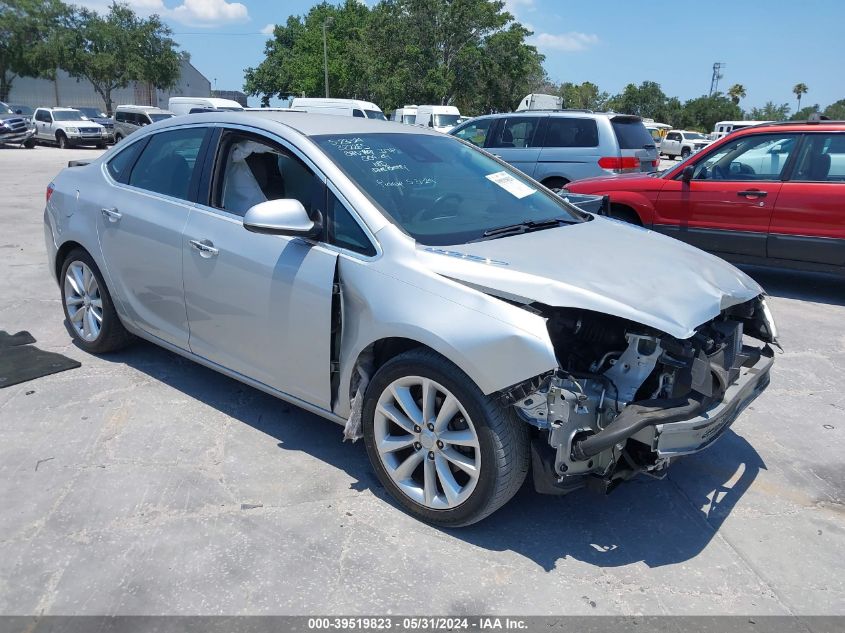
{"type": "Point", "coordinates": [628, 399]}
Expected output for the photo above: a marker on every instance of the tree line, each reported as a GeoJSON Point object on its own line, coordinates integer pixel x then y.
{"type": "Point", "coordinates": [38, 37]}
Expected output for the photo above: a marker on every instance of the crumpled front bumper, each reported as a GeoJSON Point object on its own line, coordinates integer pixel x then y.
{"type": "Point", "coordinates": [696, 434]}
{"type": "Point", "coordinates": [17, 138]}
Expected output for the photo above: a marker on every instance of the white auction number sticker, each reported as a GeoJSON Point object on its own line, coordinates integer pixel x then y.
{"type": "Point", "coordinates": [511, 184]}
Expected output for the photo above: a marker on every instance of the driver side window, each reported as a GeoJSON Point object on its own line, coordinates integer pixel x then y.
{"type": "Point", "coordinates": [760, 157]}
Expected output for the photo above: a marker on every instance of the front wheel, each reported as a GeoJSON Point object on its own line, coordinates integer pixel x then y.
{"type": "Point", "coordinates": [448, 453]}
{"type": "Point", "coordinates": [62, 140]}
{"type": "Point", "coordinates": [89, 310]}
{"type": "Point", "coordinates": [685, 153]}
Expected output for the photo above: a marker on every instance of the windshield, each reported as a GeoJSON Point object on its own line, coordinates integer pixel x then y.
{"type": "Point", "coordinates": [445, 120]}
{"type": "Point", "coordinates": [375, 114]}
{"type": "Point", "coordinates": [25, 110]}
{"type": "Point", "coordinates": [440, 190]}
{"type": "Point", "coordinates": [4, 109]}
{"type": "Point", "coordinates": [694, 136]}
{"type": "Point", "coordinates": [409, 119]}
{"type": "Point", "coordinates": [159, 116]}
{"type": "Point", "coordinates": [69, 115]}
{"type": "Point", "coordinates": [93, 112]}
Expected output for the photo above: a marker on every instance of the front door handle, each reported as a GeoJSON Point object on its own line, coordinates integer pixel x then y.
{"type": "Point", "coordinates": [112, 215]}
{"type": "Point", "coordinates": [205, 247]}
{"type": "Point", "coordinates": [752, 193]}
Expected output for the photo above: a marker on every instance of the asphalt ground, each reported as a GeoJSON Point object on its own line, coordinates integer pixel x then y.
{"type": "Point", "coordinates": [142, 483]}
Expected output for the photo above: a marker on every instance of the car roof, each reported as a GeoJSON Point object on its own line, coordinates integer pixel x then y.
{"type": "Point", "coordinates": [305, 123]}
{"type": "Point", "coordinates": [572, 112]}
{"type": "Point", "coordinates": [792, 126]}
{"type": "Point", "coordinates": [60, 109]}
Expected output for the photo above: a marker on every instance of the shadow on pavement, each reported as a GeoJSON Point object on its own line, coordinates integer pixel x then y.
{"type": "Point", "coordinates": [804, 286]}
{"type": "Point", "coordinates": [655, 522]}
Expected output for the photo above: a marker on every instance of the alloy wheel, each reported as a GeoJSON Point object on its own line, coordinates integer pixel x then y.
{"type": "Point", "coordinates": [83, 301]}
{"type": "Point", "coordinates": [427, 443]}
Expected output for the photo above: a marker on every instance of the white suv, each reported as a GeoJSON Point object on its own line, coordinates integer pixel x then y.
{"type": "Point", "coordinates": [683, 143]}
{"type": "Point", "coordinates": [67, 127]}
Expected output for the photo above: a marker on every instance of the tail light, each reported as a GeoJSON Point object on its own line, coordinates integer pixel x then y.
{"type": "Point", "coordinates": [619, 163]}
{"type": "Point", "coordinates": [50, 189]}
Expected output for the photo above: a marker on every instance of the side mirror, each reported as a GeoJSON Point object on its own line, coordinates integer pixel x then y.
{"type": "Point", "coordinates": [688, 173]}
{"type": "Point", "coordinates": [281, 217]}
{"type": "Point", "coordinates": [431, 123]}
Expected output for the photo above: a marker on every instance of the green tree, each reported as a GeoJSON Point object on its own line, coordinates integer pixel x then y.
{"type": "Point", "coordinates": [585, 96]}
{"type": "Point", "coordinates": [799, 90]}
{"type": "Point", "coordinates": [702, 113]}
{"type": "Point", "coordinates": [836, 111]}
{"type": "Point", "coordinates": [28, 31]}
{"type": "Point", "coordinates": [770, 112]}
{"type": "Point", "coordinates": [736, 92]}
{"type": "Point", "coordinates": [804, 113]}
{"type": "Point", "coordinates": [114, 49]}
{"type": "Point", "coordinates": [646, 100]}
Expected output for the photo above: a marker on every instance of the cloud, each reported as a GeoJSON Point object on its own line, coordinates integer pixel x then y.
{"type": "Point", "coordinates": [268, 30]}
{"type": "Point", "coordinates": [209, 12]}
{"type": "Point", "coordinates": [514, 6]}
{"type": "Point", "coordinates": [571, 42]}
{"type": "Point", "coordinates": [192, 12]}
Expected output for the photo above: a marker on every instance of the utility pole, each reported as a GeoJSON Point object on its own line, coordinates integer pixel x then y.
{"type": "Point", "coordinates": [326, 24]}
{"type": "Point", "coordinates": [717, 75]}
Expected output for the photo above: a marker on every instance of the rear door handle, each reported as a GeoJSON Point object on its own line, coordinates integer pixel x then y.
{"type": "Point", "coordinates": [112, 215]}
{"type": "Point", "coordinates": [755, 193]}
{"type": "Point", "coordinates": [205, 247]}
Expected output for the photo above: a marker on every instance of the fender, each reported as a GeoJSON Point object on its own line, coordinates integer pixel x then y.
{"type": "Point", "coordinates": [637, 201]}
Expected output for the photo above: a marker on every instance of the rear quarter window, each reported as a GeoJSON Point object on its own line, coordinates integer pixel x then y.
{"type": "Point", "coordinates": [632, 134]}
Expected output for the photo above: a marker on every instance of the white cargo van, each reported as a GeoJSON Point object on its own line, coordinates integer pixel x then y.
{"type": "Point", "coordinates": [537, 101]}
{"type": "Point", "coordinates": [341, 107]}
{"type": "Point", "coordinates": [406, 115]}
{"type": "Point", "coordinates": [183, 105]}
{"type": "Point", "coordinates": [441, 118]}
{"type": "Point", "coordinates": [723, 128]}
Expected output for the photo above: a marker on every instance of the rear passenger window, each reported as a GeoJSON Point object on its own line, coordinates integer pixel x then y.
{"type": "Point", "coordinates": [359, 114]}
{"type": "Point", "coordinates": [167, 163]}
{"type": "Point", "coordinates": [516, 132]}
{"type": "Point", "coordinates": [120, 117]}
{"type": "Point", "coordinates": [631, 134]}
{"type": "Point", "coordinates": [344, 231]}
{"type": "Point", "coordinates": [571, 132]}
{"type": "Point", "coordinates": [120, 166]}
{"type": "Point", "coordinates": [822, 159]}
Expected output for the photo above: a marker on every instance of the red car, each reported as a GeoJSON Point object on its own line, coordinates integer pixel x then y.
{"type": "Point", "coordinates": [769, 194]}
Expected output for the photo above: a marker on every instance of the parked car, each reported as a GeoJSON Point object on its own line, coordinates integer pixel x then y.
{"type": "Point", "coordinates": [439, 117]}
{"type": "Point", "coordinates": [14, 130]}
{"type": "Point", "coordinates": [416, 290]}
{"type": "Point", "coordinates": [182, 105]}
{"type": "Point", "coordinates": [406, 115]}
{"type": "Point", "coordinates": [24, 110]}
{"type": "Point", "coordinates": [128, 118]}
{"type": "Point", "coordinates": [769, 194]}
{"type": "Point", "coordinates": [559, 147]}
{"type": "Point", "coordinates": [342, 107]}
{"type": "Point", "coordinates": [98, 116]}
{"type": "Point", "coordinates": [67, 127]}
{"type": "Point", "coordinates": [683, 143]}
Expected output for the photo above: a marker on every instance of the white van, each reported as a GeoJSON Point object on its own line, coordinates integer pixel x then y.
{"type": "Point", "coordinates": [723, 128]}
{"type": "Point", "coordinates": [184, 105]}
{"type": "Point", "coordinates": [406, 115]}
{"type": "Point", "coordinates": [538, 101]}
{"type": "Point", "coordinates": [341, 107]}
{"type": "Point", "coordinates": [441, 118]}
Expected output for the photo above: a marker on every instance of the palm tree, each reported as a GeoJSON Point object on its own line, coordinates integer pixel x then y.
{"type": "Point", "coordinates": [798, 90]}
{"type": "Point", "coordinates": [736, 92]}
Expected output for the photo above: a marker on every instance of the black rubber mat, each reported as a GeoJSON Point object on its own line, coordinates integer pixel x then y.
{"type": "Point", "coordinates": [13, 340]}
{"type": "Point", "coordinates": [20, 361]}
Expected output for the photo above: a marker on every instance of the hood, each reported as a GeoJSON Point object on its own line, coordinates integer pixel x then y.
{"type": "Point", "coordinates": [637, 181]}
{"type": "Point", "coordinates": [602, 265]}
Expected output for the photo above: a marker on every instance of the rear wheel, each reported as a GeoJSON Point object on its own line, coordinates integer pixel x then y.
{"type": "Point", "coordinates": [555, 184]}
{"type": "Point", "coordinates": [626, 214]}
{"type": "Point", "coordinates": [91, 317]}
{"type": "Point", "coordinates": [101, 145]}
{"type": "Point", "coordinates": [118, 138]}
{"type": "Point", "coordinates": [448, 453]}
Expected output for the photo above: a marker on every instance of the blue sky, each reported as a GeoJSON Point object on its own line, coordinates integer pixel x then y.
{"type": "Point", "coordinates": [768, 46]}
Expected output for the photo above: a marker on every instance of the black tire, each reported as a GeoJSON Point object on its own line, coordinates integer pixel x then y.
{"type": "Point", "coordinates": [625, 214]}
{"type": "Point", "coordinates": [118, 138]}
{"type": "Point", "coordinates": [29, 143]}
{"type": "Point", "coordinates": [113, 336]}
{"type": "Point", "coordinates": [101, 146]}
{"type": "Point", "coordinates": [685, 153]}
{"type": "Point", "coordinates": [502, 437]}
{"type": "Point", "coordinates": [61, 139]}
{"type": "Point", "coordinates": [555, 184]}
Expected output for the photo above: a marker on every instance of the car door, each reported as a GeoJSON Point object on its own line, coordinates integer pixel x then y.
{"type": "Point", "coordinates": [727, 205]}
{"type": "Point", "coordinates": [570, 148]}
{"type": "Point", "coordinates": [140, 224]}
{"type": "Point", "coordinates": [808, 222]}
{"type": "Point", "coordinates": [671, 145]}
{"type": "Point", "coordinates": [515, 139]}
{"type": "Point", "coordinates": [43, 121]}
{"type": "Point", "coordinates": [259, 304]}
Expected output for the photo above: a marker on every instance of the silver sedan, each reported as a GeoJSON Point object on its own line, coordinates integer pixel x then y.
{"type": "Point", "coordinates": [469, 324]}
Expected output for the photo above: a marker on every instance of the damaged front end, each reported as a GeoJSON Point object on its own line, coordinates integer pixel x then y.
{"type": "Point", "coordinates": [628, 399]}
